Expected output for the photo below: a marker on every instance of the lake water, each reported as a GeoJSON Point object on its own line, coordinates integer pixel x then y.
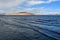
{"type": "Point", "coordinates": [30, 27]}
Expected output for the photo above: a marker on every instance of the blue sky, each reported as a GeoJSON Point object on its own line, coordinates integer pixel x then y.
{"type": "Point", "coordinates": [42, 7]}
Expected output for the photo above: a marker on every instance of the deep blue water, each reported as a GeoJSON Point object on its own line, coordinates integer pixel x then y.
{"type": "Point", "coordinates": [30, 27]}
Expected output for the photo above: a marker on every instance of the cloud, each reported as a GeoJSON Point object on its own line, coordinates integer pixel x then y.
{"type": "Point", "coordinates": [11, 5]}
{"type": "Point", "coordinates": [35, 2]}
{"type": "Point", "coordinates": [1, 11]}
{"type": "Point", "coordinates": [43, 11]}
{"type": "Point", "coordinates": [14, 3]}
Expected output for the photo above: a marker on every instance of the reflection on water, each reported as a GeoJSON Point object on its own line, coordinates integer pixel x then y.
{"type": "Point", "coordinates": [29, 27]}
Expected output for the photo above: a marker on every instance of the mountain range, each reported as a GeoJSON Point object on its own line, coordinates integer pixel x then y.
{"type": "Point", "coordinates": [19, 13]}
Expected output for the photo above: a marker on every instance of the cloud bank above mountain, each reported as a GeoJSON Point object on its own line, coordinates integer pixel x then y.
{"type": "Point", "coordinates": [17, 5]}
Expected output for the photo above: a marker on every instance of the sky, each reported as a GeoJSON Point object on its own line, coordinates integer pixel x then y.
{"type": "Point", "coordinates": [38, 7]}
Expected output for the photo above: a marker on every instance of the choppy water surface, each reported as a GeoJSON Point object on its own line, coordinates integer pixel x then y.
{"type": "Point", "coordinates": [29, 27]}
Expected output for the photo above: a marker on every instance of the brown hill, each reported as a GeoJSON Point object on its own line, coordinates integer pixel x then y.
{"type": "Point", "coordinates": [19, 13]}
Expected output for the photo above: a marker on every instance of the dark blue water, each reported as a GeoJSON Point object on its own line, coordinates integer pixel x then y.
{"type": "Point", "coordinates": [30, 27]}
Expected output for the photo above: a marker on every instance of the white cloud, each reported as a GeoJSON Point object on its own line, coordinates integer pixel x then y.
{"type": "Point", "coordinates": [14, 3]}
{"type": "Point", "coordinates": [43, 11]}
{"type": "Point", "coordinates": [9, 5]}
{"type": "Point", "coordinates": [34, 2]}
{"type": "Point", "coordinates": [1, 11]}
